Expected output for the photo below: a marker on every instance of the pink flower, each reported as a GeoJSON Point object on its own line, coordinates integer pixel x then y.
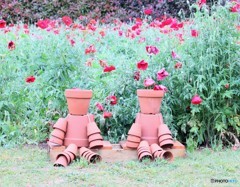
{"type": "Point", "coordinates": [196, 100]}
{"type": "Point", "coordinates": [148, 11]}
{"type": "Point", "coordinates": [113, 99]}
{"type": "Point", "coordinates": [107, 114]}
{"type": "Point", "coordinates": [178, 65]}
{"type": "Point", "coordinates": [194, 33]}
{"type": "Point", "coordinates": [162, 74]}
{"type": "Point", "coordinates": [99, 106]}
{"type": "Point", "coordinates": [108, 69]}
{"type": "Point", "coordinates": [142, 65]}
{"type": "Point", "coordinates": [160, 87]}
{"type": "Point", "coordinates": [148, 82]}
{"type": "Point", "coordinates": [174, 55]}
{"type": "Point", "coordinates": [67, 20]}
{"type": "Point", "coordinates": [11, 45]}
{"type": "Point", "coordinates": [152, 50]}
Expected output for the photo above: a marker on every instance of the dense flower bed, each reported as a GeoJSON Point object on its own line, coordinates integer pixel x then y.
{"type": "Point", "coordinates": [195, 61]}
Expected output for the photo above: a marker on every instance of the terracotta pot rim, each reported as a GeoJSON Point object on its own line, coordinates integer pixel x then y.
{"type": "Point", "coordinates": [66, 155]}
{"type": "Point", "coordinates": [93, 133]}
{"type": "Point", "coordinates": [143, 151]}
{"type": "Point", "coordinates": [84, 150]}
{"type": "Point", "coordinates": [169, 134]}
{"type": "Point", "coordinates": [71, 155]}
{"type": "Point", "coordinates": [72, 148]}
{"type": "Point", "coordinates": [167, 152]}
{"type": "Point", "coordinates": [97, 144]}
{"type": "Point", "coordinates": [150, 93]}
{"type": "Point", "coordinates": [168, 139]}
{"type": "Point", "coordinates": [97, 158]}
{"type": "Point", "coordinates": [145, 155]}
{"type": "Point", "coordinates": [78, 93]}
{"type": "Point", "coordinates": [86, 154]}
{"type": "Point", "coordinates": [56, 163]}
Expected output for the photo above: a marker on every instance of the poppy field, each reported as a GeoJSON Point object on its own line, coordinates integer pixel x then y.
{"type": "Point", "coordinates": [195, 61]}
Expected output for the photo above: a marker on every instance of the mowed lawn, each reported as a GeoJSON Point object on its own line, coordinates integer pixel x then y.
{"type": "Point", "coordinates": [30, 166]}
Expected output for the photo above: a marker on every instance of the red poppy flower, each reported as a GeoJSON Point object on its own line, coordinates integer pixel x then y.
{"type": "Point", "coordinates": [160, 87]}
{"type": "Point", "coordinates": [90, 49]}
{"type": "Point", "coordinates": [142, 65]}
{"type": "Point", "coordinates": [107, 114]}
{"type": "Point", "coordinates": [201, 3]}
{"type": "Point", "coordinates": [108, 68]}
{"type": "Point", "coordinates": [148, 82]}
{"type": "Point", "coordinates": [194, 33]}
{"type": "Point", "coordinates": [99, 106]}
{"type": "Point", "coordinates": [67, 20]}
{"type": "Point", "coordinates": [30, 79]}
{"type": "Point", "coordinates": [113, 99]}
{"type": "Point", "coordinates": [2, 24]}
{"type": "Point", "coordinates": [137, 75]}
{"type": "Point", "coordinates": [43, 24]}
{"type": "Point", "coordinates": [178, 65]}
{"type": "Point", "coordinates": [11, 45]}
{"type": "Point", "coordinates": [162, 74]}
{"type": "Point", "coordinates": [152, 50]}
{"type": "Point", "coordinates": [196, 100]}
{"type": "Point", "coordinates": [148, 11]}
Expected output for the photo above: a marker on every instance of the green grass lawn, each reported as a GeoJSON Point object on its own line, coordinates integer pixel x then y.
{"type": "Point", "coordinates": [30, 166]}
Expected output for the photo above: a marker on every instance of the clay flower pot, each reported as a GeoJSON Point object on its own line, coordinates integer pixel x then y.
{"type": "Point", "coordinates": [92, 128]}
{"type": "Point", "coordinates": [71, 155]}
{"type": "Point", "coordinates": [144, 155]}
{"type": "Point", "coordinates": [163, 130]}
{"type": "Point", "coordinates": [95, 137]}
{"type": "Point", "coordinates": [61, 124]}
{"type": "Point", "coordinates": [96, 144]}
{"type": "Point", "coordinates": [56, 140]}
{"type": "Point", "coordinates": [58, 134]}
{"type": "Point", "coordinates": [94, 158]}
{"type": "Point", "coordinates": [61, 161]}
{"type": "Point", "coordinates": [132, 138]}
{"type": "Point", "coordinates": [155, 147]}
{"type": "Point", "coordinates": [82, 150]}
{"type": "Point", "coordinates": [131, 144]}
{"type": "Point", "coordinates": [66, 155]}
{"type": "Point", "coordinates": [143, 144]}
{"type": "Point", "coordinates": [135, 130]}
{"type": "Point", "coordinates": [78, 101]}
{"type": "Point", "coordinates": [150, 100]}
{"type": "Point", "coordinates": [167, 155]}
{"type": "Point", "coordinates": [164, 137]}
{"type": "Point", "coordinates": [72, 148]}
{"type": "Point", "coordinates": [168, 143]}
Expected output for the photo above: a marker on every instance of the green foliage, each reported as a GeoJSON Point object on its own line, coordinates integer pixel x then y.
{"type": "Point", "coordinates": [209, 63]}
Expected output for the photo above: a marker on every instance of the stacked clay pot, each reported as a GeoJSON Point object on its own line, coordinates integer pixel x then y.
{"type": "Point", "coordinates": [144, 151]}
{"type": "Point", "coordinates": [158, 152]}
{"type": "Point", "coordinates": [67, 156]}
{"type": "Point", "coordinates": [58, 133]}
{"type": "Point", "coordinates": [165, 136]}
{"type": "Point", "coordinates": [94, 136]}
{"type": "Point", "coordinates": [89, 155]}
{"type": "Point", "coordinates": [134, 136]}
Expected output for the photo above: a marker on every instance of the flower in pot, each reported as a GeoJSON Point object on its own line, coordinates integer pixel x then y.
{"type": "Point", "coordinates": [150, 98]}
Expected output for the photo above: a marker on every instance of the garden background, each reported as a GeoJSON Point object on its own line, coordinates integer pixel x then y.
{"type": "Point", "coordinates": [49, 46]}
